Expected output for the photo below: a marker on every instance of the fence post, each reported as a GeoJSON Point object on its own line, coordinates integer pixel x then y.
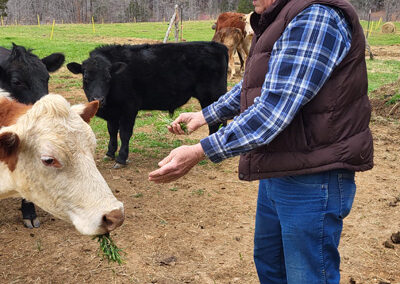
{"type": "Point", "coordinates": [176, 23]}
{"type": "Point", "coordinates": [170, 24]}
{"type": "Point", "coordinates": [52, 30]}
{"type": "Point", "coordinates": [94, 30]}
{"type": "Point", "coordinates": [181, 23]}
{"type": "Point", "coordinates": [369, 19]}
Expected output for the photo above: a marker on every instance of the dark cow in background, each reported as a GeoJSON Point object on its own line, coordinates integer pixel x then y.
{"type": "Point", "coordinates": [25, 77]}
{"type": "Point", "coordinates": [226, 33]}
{"type": "Point", "coordinates": [129, 78]}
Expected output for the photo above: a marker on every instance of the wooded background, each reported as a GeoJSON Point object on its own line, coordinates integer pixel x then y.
{"type": "Point", "coordinates": [112, 11]}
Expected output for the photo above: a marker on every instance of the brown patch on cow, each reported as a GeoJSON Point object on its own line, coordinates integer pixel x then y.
{"type": "Point", "coordinates": [231, 19]}
{"type": "Point", "coordinates": [9, 148]}
{"type": "Point", "coordinates": [10, 111]}
{"type": "Point", "coordinates": [90, 110]}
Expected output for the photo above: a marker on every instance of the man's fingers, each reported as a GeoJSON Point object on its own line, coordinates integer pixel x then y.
{"type": "Point", "coordinates": [157, 174]}
{"type": "Point", "coordinates": [165, 161]}
{"type": "Point", "coordinates": [164, 174]}
{"type": "Point", "coordinates": [177, 128]}
{"type": "Point", "coordinates": [165, 179]}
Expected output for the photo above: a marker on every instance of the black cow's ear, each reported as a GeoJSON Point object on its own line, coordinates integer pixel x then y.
{"type": "Point", "coordinates": [1, 72]}
{"type": "Point", "coordinates": [54, 61]}
{"type": "Point", "coordinates": [74, 67]}
{"type": "Point", "coordinates": [118, 67]}
{"type": "Point", "coordinates": [9, 148]}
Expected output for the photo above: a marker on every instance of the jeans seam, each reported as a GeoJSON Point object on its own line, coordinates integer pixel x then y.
{"type": "Point", "coordinates": [323, 268]}
{"type": "Point", "coordinates": [340, 185]}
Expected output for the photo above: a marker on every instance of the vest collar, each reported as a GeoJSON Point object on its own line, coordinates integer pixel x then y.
{"type": "Point", "coordinates": [260, 23]}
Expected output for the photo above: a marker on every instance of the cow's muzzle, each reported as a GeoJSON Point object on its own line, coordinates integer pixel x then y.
{"type": "Point", "coordinates": [101, 101]}
{"type": "Point", "coordinates": [113, 220]}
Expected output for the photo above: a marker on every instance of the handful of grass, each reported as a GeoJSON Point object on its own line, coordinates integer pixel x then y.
{"type": "Point", "coordinates": [168, 121]}
{"type": "Point", "coordinates": [108, 248]}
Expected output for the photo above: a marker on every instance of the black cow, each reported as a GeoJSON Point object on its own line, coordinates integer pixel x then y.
{"type": "Point", "coordinates": [25, 76]}
{"type": "Point", "coordinates": [129, 78]}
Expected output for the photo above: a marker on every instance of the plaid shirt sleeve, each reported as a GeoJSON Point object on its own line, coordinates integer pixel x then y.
{"type": "Point", "coordinates": [303, 58]}
{"type": "Point", "coordinates": [225, 108]}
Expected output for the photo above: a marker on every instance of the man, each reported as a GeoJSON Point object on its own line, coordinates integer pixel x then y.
{"type": "Point", "coordinates": [300, 123]}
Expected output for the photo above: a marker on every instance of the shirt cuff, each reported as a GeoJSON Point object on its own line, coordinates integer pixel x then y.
{"type": "Point", "coordinates": [213, 148]}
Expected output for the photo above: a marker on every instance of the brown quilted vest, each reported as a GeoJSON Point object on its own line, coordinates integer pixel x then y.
{"type": "Point", "coordinates": [331, 131]}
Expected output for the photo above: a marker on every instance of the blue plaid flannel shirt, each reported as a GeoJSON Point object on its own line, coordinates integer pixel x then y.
{"type": "Point", "coordinates": [302, 59]}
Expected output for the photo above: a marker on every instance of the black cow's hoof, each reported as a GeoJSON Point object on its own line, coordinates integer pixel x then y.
{"type": "Point", "coordinates": [30, 224]}
{"type": "Point", "coordinates": [29, 216]}
{"type": "Point", "coordinates": [119, 166]}
{"type": "Point", "coordinates": [107, 158]}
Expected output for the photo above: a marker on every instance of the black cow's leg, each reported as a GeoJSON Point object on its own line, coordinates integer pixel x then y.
{"type": "Point", "coordinates": [125, 132]}
{"type": "Point", "coordinates": [112, 127]}
{"type": "Point", "coordinates": [29, 216]}
{"type": "Point", "coordinates": [211, 128]}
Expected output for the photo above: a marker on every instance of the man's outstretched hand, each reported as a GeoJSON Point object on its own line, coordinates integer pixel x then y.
{"type": "Point", "coordinates": [178, 163]}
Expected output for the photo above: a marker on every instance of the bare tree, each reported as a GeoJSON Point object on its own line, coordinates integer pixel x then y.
{"type": "Point", "coordinates": [81, 11]}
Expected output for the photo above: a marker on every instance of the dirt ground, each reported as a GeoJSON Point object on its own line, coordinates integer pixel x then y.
{"type": "Point", "coordinates": [200, 229]}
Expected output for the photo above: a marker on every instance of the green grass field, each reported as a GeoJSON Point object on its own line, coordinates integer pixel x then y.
{"type": "Point", "coordinates": [77, 40]}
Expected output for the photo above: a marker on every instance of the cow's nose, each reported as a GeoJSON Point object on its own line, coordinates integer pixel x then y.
{"type": "Point", "coordinates": [101, 101]}
{"type": "Point", "coordinates": [113, 219]}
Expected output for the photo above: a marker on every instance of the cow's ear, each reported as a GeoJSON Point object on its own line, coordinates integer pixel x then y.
{"type": "Point", "coordinates": [2, 73]}
{"type": "Point", "coordinates": [118, 67]}
{"type": "Point", "coordinates": [54, 61]}
{"type": "Point", "coordinates": [9, 148]}
{"type": "Point", "coordinates": [75, 68]}
{"type": "Point", "coordinates": [87, 111]}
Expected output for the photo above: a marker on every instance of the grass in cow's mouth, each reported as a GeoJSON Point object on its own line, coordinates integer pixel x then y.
{"type": "Point", "coordinates": [108, 248]}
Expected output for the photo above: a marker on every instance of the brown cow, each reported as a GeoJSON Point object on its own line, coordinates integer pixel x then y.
{"type": "Point", "coordinates": [242, 22]}
{"type": "Point", "coordinates": [232, 38]}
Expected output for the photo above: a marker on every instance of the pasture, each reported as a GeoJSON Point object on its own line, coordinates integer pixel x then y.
{"type": "Point", "coordinates": [198, 229]}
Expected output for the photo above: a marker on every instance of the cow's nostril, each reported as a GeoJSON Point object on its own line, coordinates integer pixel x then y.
{"type": "Point", "coordinates": [113, 220]}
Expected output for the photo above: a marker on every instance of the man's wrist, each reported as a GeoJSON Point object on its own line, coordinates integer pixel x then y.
{"type": "Point", "coordinates": [198, 149]}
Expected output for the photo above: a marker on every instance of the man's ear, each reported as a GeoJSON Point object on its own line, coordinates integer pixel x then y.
{"type": "Point", "coordinates": [87, 111]}
{"type": "Point", "coordinates": [9, 148]}
{"type": "Point", "coordinates": [118, 67]}
{"type": "Point", "coordinates": [74, 67]}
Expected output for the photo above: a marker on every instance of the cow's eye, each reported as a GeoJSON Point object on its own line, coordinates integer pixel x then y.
{"type": "Point", "coordinates": [50, 162]}
{"type": "Point", "coordinates": [16, 82]}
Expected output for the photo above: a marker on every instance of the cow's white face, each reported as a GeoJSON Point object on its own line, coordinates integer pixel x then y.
{"type": "Point", "coordinates": [56, 168]}
{"type": "Point", "coordinates": [247, 28]}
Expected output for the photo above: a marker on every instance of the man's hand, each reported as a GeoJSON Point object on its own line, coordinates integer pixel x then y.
{"type": "Point", "coordinates": [178, 163]}
{"type": "Point", "coordinates": [192, 120]}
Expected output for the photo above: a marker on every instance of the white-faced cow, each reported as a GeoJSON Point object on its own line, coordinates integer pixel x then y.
{"type": "Point", "coordinates": [126, 79]}
{"type": "Point", "coordinates": [47, 156]}
{"type": "Point", "coordinates": [25, 76]}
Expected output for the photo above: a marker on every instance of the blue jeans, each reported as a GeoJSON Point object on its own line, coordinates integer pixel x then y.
{"type": "Point", "coordinates": [299, 220]}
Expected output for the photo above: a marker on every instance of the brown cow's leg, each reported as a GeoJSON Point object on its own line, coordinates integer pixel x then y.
{"type": "Point", "coordinates": [232, 61]}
